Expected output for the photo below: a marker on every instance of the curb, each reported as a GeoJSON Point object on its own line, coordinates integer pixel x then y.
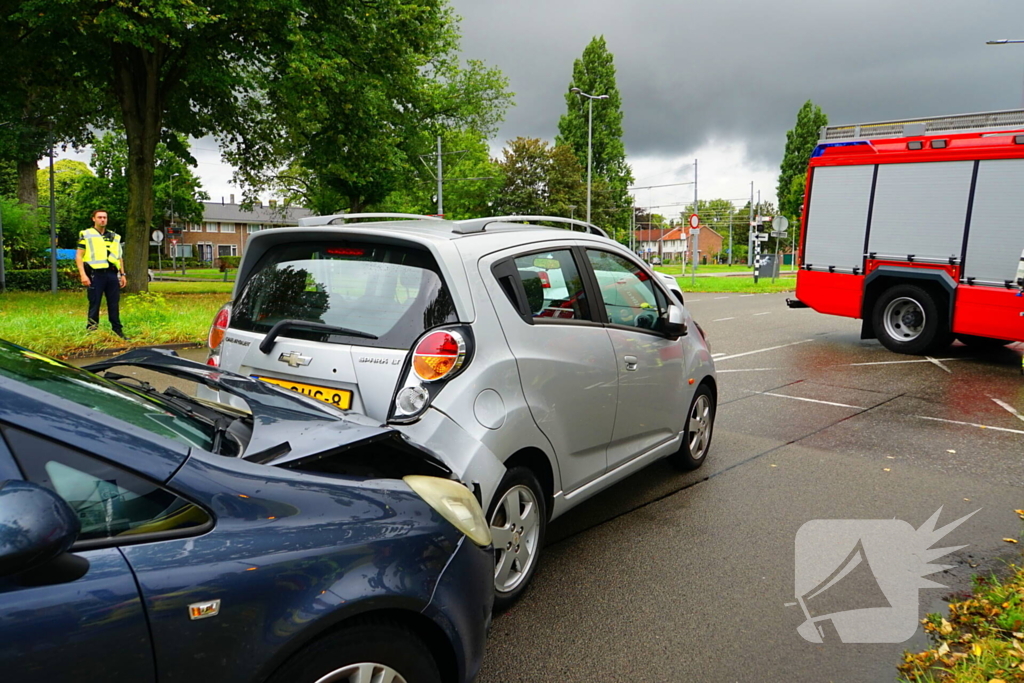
{"type": "Point", "coordinates": [113, 351]}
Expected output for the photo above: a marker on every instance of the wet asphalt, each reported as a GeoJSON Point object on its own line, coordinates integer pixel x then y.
{"type": "Point", "coordinates": [674, 576]}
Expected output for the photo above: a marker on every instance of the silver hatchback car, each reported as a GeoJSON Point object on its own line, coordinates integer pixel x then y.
{"type": "Point", "coordinates": [541, 364]}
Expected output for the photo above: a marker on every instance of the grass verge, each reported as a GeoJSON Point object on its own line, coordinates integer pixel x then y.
{"type": "Point", "coordinates": [743, 285]}
{"type": "Point", "coordinates": [204, 273]}
{"type": "Point", "coordinates": [55, 324]}
{"type": "Point", "coordinates": [981, 642]}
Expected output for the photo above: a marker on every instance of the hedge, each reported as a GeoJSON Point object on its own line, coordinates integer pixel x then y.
{"type": "Point", "coordinates": [38, 280]}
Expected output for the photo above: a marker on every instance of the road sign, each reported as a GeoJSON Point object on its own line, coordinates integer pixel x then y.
{"type": "Point", "coordinates": [157, 236]}
{"type": "Point", "coordinates": [694, 220]}
{"type": "Point", "coordinates": [174, 242]}
{"type": "Point", "coordinates": [780, 223]}
{"type": "Point", "coordinates": [761, 237]}
{"type": "Point", "coordinates": [778, 234]}
{"type": "Point", "coordinates": [694, 231]}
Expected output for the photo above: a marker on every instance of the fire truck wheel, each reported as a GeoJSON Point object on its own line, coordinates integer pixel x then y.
{"type": "Point", "coordinates": [908, 320]}
{"type": "Point", "coordinates": [982, 342]}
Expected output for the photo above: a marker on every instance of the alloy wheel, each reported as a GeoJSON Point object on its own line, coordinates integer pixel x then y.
{"type": "Point", "coordinates": [515, 530]}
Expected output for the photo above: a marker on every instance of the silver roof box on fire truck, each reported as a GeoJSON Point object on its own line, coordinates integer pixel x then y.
{"type": "Point", "coordinates": [1008, 120]}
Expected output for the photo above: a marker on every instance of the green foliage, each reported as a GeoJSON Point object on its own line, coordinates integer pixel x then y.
{"type": "Point", "coordinates": [227, 262]}
{"type": "Point", "coordinates": [67, 183]}
{"type": "Point", "coordinates": [108, 187]}
{"type": "Point", "coordinates": [525, 164]}
{"type": "Point", "coordinates": [24, 238]}
{"type": "Point", "coordinates": [38, 279]}
{"type": "Point", "coordinates": [800, 143]}
{"type": "Point", "coordinates": [594, 74]}
{"type": "Point", "coordinates": [8, 179]}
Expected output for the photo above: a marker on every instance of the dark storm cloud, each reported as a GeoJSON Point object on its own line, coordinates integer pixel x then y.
{"type": "Point", "coordinates": [691, 72]}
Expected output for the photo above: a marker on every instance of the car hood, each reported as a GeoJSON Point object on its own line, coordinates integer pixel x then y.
{"type": "Point", "coordinates": [288, 429]}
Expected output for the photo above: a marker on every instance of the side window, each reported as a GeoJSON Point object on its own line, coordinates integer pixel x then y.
{"type": "Point", "coordinates": [629, 296]}
{"type": "Point", "coordinates": [553, 286]}
{"type": "Point", "coordinates": [109, 502]}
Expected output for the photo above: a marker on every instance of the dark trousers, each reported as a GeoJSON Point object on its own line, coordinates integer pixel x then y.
{"type": "Point", "coordinates": [105, 282]}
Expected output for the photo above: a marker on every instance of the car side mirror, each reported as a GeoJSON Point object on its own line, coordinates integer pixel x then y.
{"type": "Point", "coordinates": [675, 325]}
{"type": "Point", "coordinates": [36, 526]}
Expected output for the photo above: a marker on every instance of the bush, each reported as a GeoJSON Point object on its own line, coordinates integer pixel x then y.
{"type": "Point", "coordinates": [38, 279]}
{"type": "Point", "coordinates": [226, 262]}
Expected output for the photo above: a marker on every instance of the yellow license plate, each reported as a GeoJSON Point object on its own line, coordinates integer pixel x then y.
{"type": "Point", "coordinates": [340, 398]}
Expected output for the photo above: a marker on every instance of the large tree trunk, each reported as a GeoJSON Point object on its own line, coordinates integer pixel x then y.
{"type": "Point", "coordinates": [28, 183]}
{"type": "Point", "coordinates": [137, 84]}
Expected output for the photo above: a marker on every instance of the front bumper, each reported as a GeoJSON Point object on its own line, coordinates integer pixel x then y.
{"type": "Point", "coordinates": [462, 603]}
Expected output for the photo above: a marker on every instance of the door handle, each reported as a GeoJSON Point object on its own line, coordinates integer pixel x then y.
{"type": "Point", "coordinates": [630, 362]}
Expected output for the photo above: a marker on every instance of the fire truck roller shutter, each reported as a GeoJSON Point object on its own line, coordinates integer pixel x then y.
{"type": "Point", "coordinates": [838, 216]}
{"type": "Point", "coordinates": [920, 209]}
{"type": "Point", "coordinates": [996, 237]}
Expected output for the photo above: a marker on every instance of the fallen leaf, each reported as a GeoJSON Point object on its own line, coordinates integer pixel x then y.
{"type": "Point", "coordinates": [943, 649]}
{"type": "Point", "coordinates": [1010, 540]}
{"type": "Point", "coordinates": [946, 628]}
{"type": "Point", "coordinates": [996, 680]}
{"type": "Point", "coordinates": [886, 469]}
{"type": "Point", "coordinates": [976, 650]}
{"type": "Point", "coordinates": [774, 465]}
{"type": "Point", "coordinates": [967, 500]}
{"type": "Point", "coordinates": [950, 450]}
{"type": "Point", "coordinates": [1019, 512]}
{"type": "Point", "coordinates": [891, 457]}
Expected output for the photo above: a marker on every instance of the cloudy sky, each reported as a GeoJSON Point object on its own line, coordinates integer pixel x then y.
{"type": "Point", "coordinates": [721, 80]}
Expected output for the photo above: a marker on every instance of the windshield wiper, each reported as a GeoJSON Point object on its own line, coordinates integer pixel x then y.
{"type": "Point", "coordinates": [279, 328]}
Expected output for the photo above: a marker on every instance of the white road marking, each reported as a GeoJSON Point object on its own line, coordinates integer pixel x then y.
{"type": "Point", "coordinates": [723, 320]}
{"type": "Point", "coordinates": [972, 424]}
{"type": "Point", "coordinates": [1008, 408]}
{"type": "Point", "coordinates": [720, 297]}
{"type": "Point", "coordinates": [744, 369]}
{"type": "Point", "coordinates": [898, 362]}
{"type": "Point", "coordinates": [694, 301]}
{"type": "Point", "coordinates": [765, 313]}
{"type": "Point", "coordinates": [744, 296]}
{"type": "Point", "coordinates": [939, 363]}
{"type": "Point", "coordinates": [809, 400]}
{"type": "Point", "coordinates": [716, 355]}
{"type": "Point", "coordinates": [770, 348]}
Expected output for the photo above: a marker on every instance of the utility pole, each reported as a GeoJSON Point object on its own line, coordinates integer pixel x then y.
{"type": "Point", "coordinates": [53, 228]}
{"type": "Point", "coordinates": [730, 235]}
{"type": "Point", "coordinates": [440, 180]}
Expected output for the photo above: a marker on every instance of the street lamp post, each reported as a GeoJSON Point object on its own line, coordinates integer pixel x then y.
{"type": "Point", "coordinates": [590, 138]}
{"type": "Point", "coordinates": [1006, 41]}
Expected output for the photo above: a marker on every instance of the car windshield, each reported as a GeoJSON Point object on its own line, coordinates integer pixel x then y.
{"type": "Point", "coordinates": [383, 295]}
{"type": "Point", "coordinates": [103, 395]}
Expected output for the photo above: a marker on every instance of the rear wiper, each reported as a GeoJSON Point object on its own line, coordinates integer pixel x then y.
{"type": "Point", "coordinates": [268, 342]}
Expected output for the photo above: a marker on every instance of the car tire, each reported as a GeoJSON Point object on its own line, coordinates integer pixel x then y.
{"type": "Point", "coordinates": [700, 425]}
{"type": "Point", "coordinates": [908, 320]}
{"type": "Point", "coordinates": [358, 653]}
{"type": "Point", "coordinates": [518, 518]}
{"type": "Point", "coordinates": [982, 343]}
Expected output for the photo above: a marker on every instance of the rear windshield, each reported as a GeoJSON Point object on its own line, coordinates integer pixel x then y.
{"type": "Point", "coordinates": [390, 292]}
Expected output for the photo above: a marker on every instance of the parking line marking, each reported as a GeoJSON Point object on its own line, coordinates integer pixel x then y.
{"type": "Point", "coordinates": [897, 362]}
{"type": "Point", "coordinates": [939, 363]}
{"type": "Point", "coordinates": [765, 313]}
{"type": "Point", "coordinates": [1008, 407]}
{"type": "Point", "coordinates": [744, 369]}
{"type": "Point", "coordinates": [809, 400]}
{"type": "Point", "coordinates": [972, 424]}
{"type": "Point", "coordinates": [723, 320]}
{"type": "Point", "coordinates": [770, 348]}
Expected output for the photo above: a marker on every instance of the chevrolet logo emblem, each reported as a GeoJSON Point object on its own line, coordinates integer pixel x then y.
{"type": "Point", "coordinates": [294, 359]}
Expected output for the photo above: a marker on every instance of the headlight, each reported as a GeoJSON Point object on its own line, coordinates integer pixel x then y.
{"type": "Point", "coordinates": [454, 502]}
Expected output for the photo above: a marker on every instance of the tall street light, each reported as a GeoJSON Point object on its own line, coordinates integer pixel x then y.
{"type": "Point", "coordinates": [590, 138]}
{"type": "Point", "coordinates": [1005, 41]}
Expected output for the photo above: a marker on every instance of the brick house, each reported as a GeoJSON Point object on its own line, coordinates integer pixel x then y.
{"type": "Point", "coordinates": [226, 228]}
{"type": "Point", "coordinates": [668, 244]}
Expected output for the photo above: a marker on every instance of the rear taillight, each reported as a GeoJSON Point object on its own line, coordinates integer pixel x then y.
{"type": "Point", "coordinates": [219, 327]}
{"type": "Point", "coordinates": [438, 355]}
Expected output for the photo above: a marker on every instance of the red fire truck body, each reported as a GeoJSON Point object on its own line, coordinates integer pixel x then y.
{"type": "Point", "coordinates": [917, 228]}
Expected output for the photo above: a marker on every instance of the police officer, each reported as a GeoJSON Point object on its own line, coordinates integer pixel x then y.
{"type": "Point", "coordinates": [100, 267]}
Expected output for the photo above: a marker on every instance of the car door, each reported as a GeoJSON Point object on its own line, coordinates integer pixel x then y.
{"type": "Point", "coordinates": [55, 629]}
{"type": "Point", "coordinates": [565, 358]}
{"type": "Point", "coordinates": [653, 394]}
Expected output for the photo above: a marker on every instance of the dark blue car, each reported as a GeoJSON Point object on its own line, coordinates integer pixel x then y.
{"type": "Point", "coordinates": [146, 535]}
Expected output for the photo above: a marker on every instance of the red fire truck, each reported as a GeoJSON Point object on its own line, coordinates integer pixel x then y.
{"type": "Point", "coordinates": [917, 228]}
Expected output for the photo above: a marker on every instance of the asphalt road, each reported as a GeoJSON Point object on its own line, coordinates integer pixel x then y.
{"type": "Point", "coordinates": [686, 577]}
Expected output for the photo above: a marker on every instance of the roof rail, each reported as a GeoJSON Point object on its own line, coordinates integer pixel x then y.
{"type": "Point", "coordinates": [1008, 119]}
{"type": "Point", "coordinates": [342, 217]}
{"type": "Point", "coordinates": [473, 225]}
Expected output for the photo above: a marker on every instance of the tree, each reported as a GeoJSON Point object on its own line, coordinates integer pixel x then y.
{"type": "Point", "coordinates": [594, 74]}
{"type": "Point", "coordinates": [23, 237]}
{"type": "Point", "coordinates": [67, 183]}
{"type": "Point", "coordinates": [524, 167]}
{"type": "Point", "coordinates": [109, 188]}
{"type": "Point", "coordinates": [800, 143]}
{"type": "Point", "coordinates": [382, 115]}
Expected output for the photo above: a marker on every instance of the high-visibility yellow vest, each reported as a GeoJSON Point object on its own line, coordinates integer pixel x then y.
{"type": "Point", "coordinates": [99, 253]}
